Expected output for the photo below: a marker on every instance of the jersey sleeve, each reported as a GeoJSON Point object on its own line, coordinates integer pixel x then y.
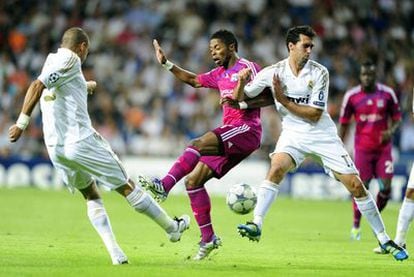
{"type": "Point", "coordinates": [394, 107]}
{"type": "Point", "coordinates": [347, 110]}
{"type": "Point", "coordinates": [259, 83]}
{"type": "Point", "coordinates": [208, 79]}
{"type": "Point", "coordinates": [54, 71]}
{"type": "Point", "coordinates": [319, 96]}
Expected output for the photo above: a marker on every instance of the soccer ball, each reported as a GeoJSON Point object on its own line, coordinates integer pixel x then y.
{"type": "Point", "coordinates": [241, 198]}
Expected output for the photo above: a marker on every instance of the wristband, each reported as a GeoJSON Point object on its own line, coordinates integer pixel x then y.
{"type": "Point", "coordinates": [168, 65]}
{"type": "Point", "coordinates": [23, 121]}
{"type": "Point", "coordinates": [243, 105]}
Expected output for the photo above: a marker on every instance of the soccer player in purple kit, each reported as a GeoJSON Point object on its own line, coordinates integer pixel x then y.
{"type": "Point", "coordinates": [219, 150]}
{"type": "Point", "coordinates": [375, 109]}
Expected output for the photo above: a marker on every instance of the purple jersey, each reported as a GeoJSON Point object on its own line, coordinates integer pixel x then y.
{"type": "Point", "coordinates": [372, 112]}
{"type": "Point", "coordinates": [225, 80]}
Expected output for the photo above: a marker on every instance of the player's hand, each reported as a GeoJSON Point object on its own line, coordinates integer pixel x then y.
{"type": "Point", "coordinates": [230, 102]}
{"type": "Point", "coordinates": [277, 87]}
{"type": "Point", "coordinates": [385, 136]}
{"type": "Point", "coordinates": [159, 53]}
{"type": "Point", "coordinates": [14, 133]}
{"type": "Point", "coordinates": [91, 86]}
{"type": "Point", "coordinates": [244, 75]}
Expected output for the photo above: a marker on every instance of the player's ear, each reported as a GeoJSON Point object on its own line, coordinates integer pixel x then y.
{"type": "Point", "coordinates": [232, 47]}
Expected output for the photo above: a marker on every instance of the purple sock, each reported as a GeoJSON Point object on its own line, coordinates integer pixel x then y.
{"type": "Point", "coordinates": [182, 166]}
{"type": "Point", "coordinates": [201, 206]}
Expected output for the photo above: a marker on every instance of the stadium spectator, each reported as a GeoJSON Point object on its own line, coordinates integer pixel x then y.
{"type": "Point", "coordinates": [375, 109]}
{"type": "Point", "coordinates": [76, 150]}
{"type": "Point", "coordinates": [300, 86]}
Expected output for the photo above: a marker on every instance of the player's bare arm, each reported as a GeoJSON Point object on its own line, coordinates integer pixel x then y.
{"type": "Point", "coordinates": [306, 112]}
{"type": "Point", "coordinates": [262, 100]}
{"type": "Point", "coordinates": [387, 134]}
{"type": "Point", "coordinates": [182, 74]}
{"type": "Point", "coordinates": [343, 131]}
{"type": "Point", "coordinates": [31, 99]}
{"type": "Point", "coordinates": [238, 91]}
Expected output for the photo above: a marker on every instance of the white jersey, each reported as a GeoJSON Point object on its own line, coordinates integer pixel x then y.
{"type": "Point", "coordinates": [64, 101]}
{"type": "Point", "coordinates": [309, 88]}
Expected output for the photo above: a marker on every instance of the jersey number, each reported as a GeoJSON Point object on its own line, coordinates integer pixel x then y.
{"type": "Point", "coordinates": [389, 167]}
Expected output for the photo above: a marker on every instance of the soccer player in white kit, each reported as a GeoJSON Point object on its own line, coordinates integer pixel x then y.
{"type": "Point", "coordinates": [406, 214]}
{"type": "Point", "coordinates": [76, 150]}
{"type": "Point", "coordinates": [300, 87]}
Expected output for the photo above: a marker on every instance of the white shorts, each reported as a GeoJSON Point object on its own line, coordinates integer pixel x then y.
{"type": "Point", "coordinates": [90, 159]}
{"type": "Point", "coordinates": [411, 179]}
{"type": "Point", "coordinates": [329, 151]}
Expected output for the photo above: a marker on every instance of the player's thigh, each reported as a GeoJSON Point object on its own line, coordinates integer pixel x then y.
{"type": "Point", "coordinates": [365, 162]}
{"type": "Point", "coordinates": [93, 156]}
{"type": "Point", "coordinates": [280, 164]}
{"type": "Point", "coordinates": [333, 155]}
{"type": "Point", "coordinates": [199, 176]}
{"type": "Point", "coordinates": [237, 139]}
{"type": "Point", "coordinates": [71, 175]}
{"type": "Point", "coordinates": [384, 167]}
{"type": "Point", "coordinates": [410, 184]}
{"type": "Point", "coordinates": [288, 144]}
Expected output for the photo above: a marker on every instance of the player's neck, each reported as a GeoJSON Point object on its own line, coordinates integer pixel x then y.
{"type": "Point", "coordinates": [295, 66]}
{"type": "Point", "coordinates": [232, 61]}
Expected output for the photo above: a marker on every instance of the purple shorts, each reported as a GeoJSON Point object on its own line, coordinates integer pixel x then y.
{"type": "Point", "coordinates": [374, 163]}
{"type": "Point", "coordinates": [237, 141]}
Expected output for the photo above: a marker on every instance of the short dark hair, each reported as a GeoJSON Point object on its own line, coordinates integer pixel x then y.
{"type": "Point", "coordinates": [74, 36]}
{"type": "Point", "coordinates": [293, 34]}
{"type": "Point", "coordinates": [225, 36]}
{"type": "Point", "coordinates": [369, 56]}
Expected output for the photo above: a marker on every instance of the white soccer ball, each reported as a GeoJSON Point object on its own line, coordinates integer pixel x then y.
{"type": "Point", "coordinates": [241, 198]}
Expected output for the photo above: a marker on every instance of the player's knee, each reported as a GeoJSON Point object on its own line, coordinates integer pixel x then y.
{"type": "Point", "coordinates": [197, 143]}
{"type": "Point", "coordinates": [357, 187]}
{"type": "Point", "coordinates": [191, 183]}
{"type": "Point", "coordinates": [276, 173]}
{"type": "Point", "coordinates": [409, 193]}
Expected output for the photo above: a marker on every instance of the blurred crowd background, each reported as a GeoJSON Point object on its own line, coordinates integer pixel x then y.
{"type": "Point", "coordinates": [142, 110]}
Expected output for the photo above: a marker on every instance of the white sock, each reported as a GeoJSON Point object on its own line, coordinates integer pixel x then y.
{"type": "Point", "coordinates": [266, 194]}
{"type": "Point", "coordinates": [369, 209]}
{"type": "Point", "coordinates": [143, 203]}
{"type": "Point", "coordinates": [100, 221]}
{"type": "Point", "coordinates": [405, 217]}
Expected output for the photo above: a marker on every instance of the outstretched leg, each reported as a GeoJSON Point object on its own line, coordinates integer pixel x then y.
{"type": "Point", "coordinates": [143, 203]}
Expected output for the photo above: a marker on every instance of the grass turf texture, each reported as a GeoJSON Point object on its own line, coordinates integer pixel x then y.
{"type": "Point", "coordinates": [47, 233]}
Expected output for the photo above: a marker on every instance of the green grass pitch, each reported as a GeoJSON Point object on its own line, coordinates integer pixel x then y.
{"type": "Point", "coordinates": [46, 233]}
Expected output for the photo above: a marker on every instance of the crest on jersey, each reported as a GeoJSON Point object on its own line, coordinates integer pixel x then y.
{"type": "Point", "coordinates": [310, 84]}
{"type": "Point", "coordinates": [369, 102]}
{"type": "Point", "coordinates": [234, 77]}
{"type": "Point", "coordinates": [380, 103]}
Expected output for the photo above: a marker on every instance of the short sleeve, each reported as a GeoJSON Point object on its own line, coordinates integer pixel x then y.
{"type": "Point", "coordinates": [262, 80]}
{"type": "Point", "coordinates": [208, 79]}
{"type": "Point", "coordinates": [319, 96]}
{"type": "Point", "coordinates": [347, 110]}
{"type": "Point", "coordinates": [54, 71]}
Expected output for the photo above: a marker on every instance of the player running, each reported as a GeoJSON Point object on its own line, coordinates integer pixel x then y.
{"type": "Point", "coordinates": [77, 151]}
{"type": "Point", "coordinates": [300, 86]}
{"type": "Point", "coordinates": [374, 107]}
{"type": "Point", "coordinates": [219, 150]}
